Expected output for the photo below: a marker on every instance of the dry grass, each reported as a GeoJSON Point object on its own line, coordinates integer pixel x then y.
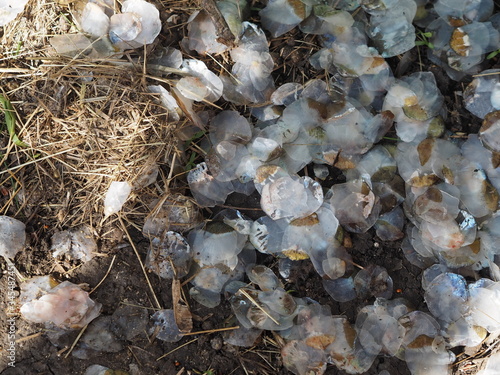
{"type": "Point", "coordinates": [475, 359]}
{"type": "Point", "coordinates": [87, 123]}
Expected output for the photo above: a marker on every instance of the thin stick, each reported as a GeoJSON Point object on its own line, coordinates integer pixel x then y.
{"type": "Point", "coordinates": [258, 306]}
{"type": "Point", "coordinates": [61, 351]}
{"type": "Point", "coordinates": [36, 160]}
{"type": "Point", "coordinates": [171, 172]}
{"type": "Point", "coordinates": [244, 368]}
{"type": "Point", "coordinates": [106, 275]}
{"type": "Point", "coordinates": [355, 264]}
{"type": "Point", "coordinates": [203, 99]}
{"type": "Point", "coordinates": [179, 347]}
{"type": "Point", "coordinates": [140, 262]}
{"type": "Point", "coordinates": [76, 341]}
{"type": "Point", "coordinates": [485, 74]}
{"type": "Point", "coordinates": [225, 36]}
{"type": "Point", "coordinates": [139, 306]}
{"type": "Point", "coordinates": [211, 331]}
{"type": "Point", "coordinates": [15, 70]}
{"type": "Point", "coordinates": [133, 354]}
{"type": "Point", "coordinates": [224, 68]}
{"type": "Point", "coordinates": [189, 279]}
{"type": "Point", "coordinates": [241, 208]}
{"type": "Point", "coordinates": [264, 359]}
{"type": "Point", "coordinates": [29, 337]}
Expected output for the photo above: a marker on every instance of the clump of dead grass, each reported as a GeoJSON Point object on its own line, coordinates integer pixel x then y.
{"type": "Point", "coordinates": [473, 359]}
{"type": "Point", "coordinates": [87, 123]}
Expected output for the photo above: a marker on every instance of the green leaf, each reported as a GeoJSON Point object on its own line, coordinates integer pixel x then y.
{"type": "Point", "coordinates": [493, 54]}
{"type": "Point", "coordinates": [424, 43]}
{"type": "Point", "coordinates": [190, 164]}
{"type": "Point", "coordinates": [195, 137]}
{"type": "Point", "coordinates": [10, 121]}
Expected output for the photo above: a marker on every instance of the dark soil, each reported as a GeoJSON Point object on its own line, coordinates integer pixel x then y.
{"type": "Point", "coordinates": [125, 286]}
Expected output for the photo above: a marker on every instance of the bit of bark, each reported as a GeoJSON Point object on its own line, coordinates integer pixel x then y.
{"type": "Point", "coordinates": [225, 35]}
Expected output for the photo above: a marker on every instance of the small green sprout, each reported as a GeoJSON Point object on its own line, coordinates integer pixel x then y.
{"type": "Point", "coordinates": [191, 164]}
{"type": "Point", "coordinates": [19, 47]}
{"type": "Point", "coordinates": [424, 39]}
{"type": "Point", "coordinates": [194, 155]}
{"type": "Point", "coordinates": [10, 120]}
{"type": "Point", "coordinates": [493, 54]}
{"type": "Point", "coordinates": [391, 139]}
{"type": "Point", "coordinates": [195, 137]}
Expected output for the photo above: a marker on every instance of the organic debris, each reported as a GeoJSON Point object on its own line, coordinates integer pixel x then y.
{"type": "Point", "coordinates": [121, 127]}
